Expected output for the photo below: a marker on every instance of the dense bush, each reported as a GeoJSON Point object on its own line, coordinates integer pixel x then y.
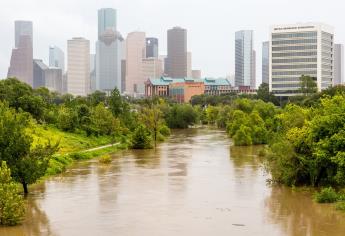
{"type": "Point", "coordinates": [141, 138]}
{"type": "Point", "coordinates": [327, 195]}
{"type": "Point", "coordinates": [105, 159]}
{"type": "Point", "coordinates": [12, 209]}
{"type": "Point", "coordinates": [181, 116]}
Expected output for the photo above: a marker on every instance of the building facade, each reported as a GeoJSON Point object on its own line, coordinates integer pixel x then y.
{"type": "Point", "coordinates": [152, 47]}
{"type": "Point", "coordinates": [338, 64]}
{"type": "Point", "coordinates": [21, 64]}
{"type": "Point", "coordinates": [245, 62]}
{"type": "Point", "coordinates": [152, 68]}
{"type": "Point", "coordinates": [56, 58]}
{"type": "Point", "coordinates": [177, 62]}
{"type": "Point", "coordinates": [48, 77]}
{"type": "Point", "coordinates": [266, 62]}
{"type": "Point", "coordinates": [39, 69]}
{"type": "Point", "coordinates": [78, 66]}
{"type": "Point", "coordinates": [136, 52]}
{"type": "Point", "coordinates": [108, 52]}
{"type": "Point", "coordinates": [300, 49]}
{"type": "Point", "coordinates": [217, 86]}
{"type": "Point", "coordinates": [183, 91]}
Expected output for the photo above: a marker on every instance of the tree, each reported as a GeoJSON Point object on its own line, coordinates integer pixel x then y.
{"type": "Point", "coordinates": [97, 97]}
{"type": "Point", "coordinates": [141, 138]}
{"type": "Point", "coordinates": [27, 163]}
{"type": "Point", "coordinates": [308, 85]}
{"type": "Point", "coordinates": [181, 116]}
{"type": "Point", "coordinates": [153, 120]}
{"type": "Point", "coordinates": [265, 95]}
{"type": "Point", "coordinates": [67, 119]}
{"type": "Point", "coordinates": [102, 120]}
{"type": "Point", "coordinates": [115, 103]}
{"type": "Point", "coordinates": [12, 209]}
{"type": "Point", "coordinates": [243, 137]}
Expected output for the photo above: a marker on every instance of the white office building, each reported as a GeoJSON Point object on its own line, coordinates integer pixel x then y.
{"type": "Point", "coordinates": [300, 49]}
{"type": "Point", "coordinates": [338, 64]}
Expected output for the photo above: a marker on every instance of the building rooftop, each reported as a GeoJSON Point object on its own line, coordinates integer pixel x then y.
{"type": "Point", "coordinates": [163, 81]}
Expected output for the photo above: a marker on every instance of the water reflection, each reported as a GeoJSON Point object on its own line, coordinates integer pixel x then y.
{"type": "Point", "coordinates": [195, 183]}
{"type": "Point", "coordinates": [299, 216]}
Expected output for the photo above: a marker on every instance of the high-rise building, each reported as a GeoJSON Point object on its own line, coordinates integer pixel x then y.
{"type": "Point", "coordinates": [48, 77]}
{"type": "Point", "coordinates": [152, 68]}
{"type": "Point", "coordinates": [151, 47]}
{"type": "Point", "coordinates": [39, 69]}
{"type": "Point", "coordinates": [176, 64]}
{"type": "Point", "coordinates": [123, 65]}
{"type": "Point", "coordinates": [78, 66]}
{"type": "Point", "coordinates": [93, 72]}
{"type": "Point", "coordinates": [108, 52]}
{"type": "Point", "coordinates": [189, 64]}
{"type": "Point", "coordinates": [56, 58]}
{"type": "Point", "coordinates": [300, 49]}
{"type": "Point", "coordinates": [21, 65]}
{"type": "Point", "coordinates": [338, 64]}
{"type": "Point", "coordinates": [196, 74]}
{"type": "Point", "coordinates": [265, 62]}
{"type": "Point", "coordinates": [244, 59]}
{"type": "Point", "coordinates": [136, 52]}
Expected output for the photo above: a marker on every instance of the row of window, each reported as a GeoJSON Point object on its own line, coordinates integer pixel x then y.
{"type": "Point", "coordinates": [300, 66]}
{"type": "Point", "coordinates": [294, 60]}
{"type": "Point", "coordinates": [311, 72]}
{"type": "Point", "coordinates": [296, 41]}
{"type": "Point", "coordinates": [290, 79]}
{"type": "Point", "coordinates": [291, 48]}
{"type": "Point", "coordinates": [297, 85]}
{"type": "Point", "coordinates": [295, 54]}
{"type": "Point", "coordinates": [295, 35]}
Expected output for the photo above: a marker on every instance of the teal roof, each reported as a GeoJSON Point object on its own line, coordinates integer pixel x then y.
{"type": "Point", "coordinates": [216, 82]}
{"type": "Point", "coordinates": [163, 81]}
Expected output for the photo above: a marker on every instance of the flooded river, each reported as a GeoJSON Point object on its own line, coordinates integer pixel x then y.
{"type": "Point", "coordinates": [193, 184]}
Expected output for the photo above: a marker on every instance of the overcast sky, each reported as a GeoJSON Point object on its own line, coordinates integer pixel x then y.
{"type": "Point", "coordinates": [211, 24]}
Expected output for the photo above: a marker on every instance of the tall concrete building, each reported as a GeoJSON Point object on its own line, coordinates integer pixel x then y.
{"type": "Point", "coordinates": [56, 58]}
{"type": "Point", "coordinates": [48, 77]}
{"type": "Point", "coordinates": [245, 59]}
{"type": "Point", "coordinates": [189, 64]}
{"type": "Point", "coordinates": [196, 74]}
{"type": "Point", "coordinates": [108, 52]}
{"type": "Point", "coordinates": [300, 49]}
{"type": "Point", "coordinates": [136, 52]}
{"type": "Point", "coordinates": [21, 65]}
{"type": "Point", "coordinates": [177, 62]}
{"type": "Point", "coordinates": [78, 66]}
{"type": "Point", "coordinates": [152, 47]}
{"type": "Point", "coordinates": [93, 72]}
{"type": "Point", "coordinates": [152, 68]}
{"type": "Point", "coordinates": [266, 62]}
{"type": "Point", "coordinates": [338, 64]}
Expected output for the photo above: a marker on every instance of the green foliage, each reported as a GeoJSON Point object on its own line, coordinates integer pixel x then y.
{"type": "Point", "coordinates": [340, 206]}
{"type": "Point", "coordinates": [141, 138]}
{"type": "Point", "coordinates": [308, 85]}
{"type": "Point", "coordinates": [102, 121]}
{"type": "Point", "coordinates": [181, 116]}
{"type": "Point", "coordinates": [105, 159]}
{"type": "Point", "coordinates": [265, 95]}
{"type": "Point", "coordinates": [152, 118]}
{"type": "Point", "coordinates": [27, 164]}
{"type": "Point", "coordinates": [242, 136]}
{"type": "Point", "coordinates": [12, 208]}
{"type": "Point", "coordinates": [327, 195]}
{"type": "Point", "coordinates": [67, 119]}
{"type": "Point", "coordinates": [164, 130]}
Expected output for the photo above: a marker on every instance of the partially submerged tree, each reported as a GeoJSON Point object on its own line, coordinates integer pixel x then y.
{"type": "Point", "coordinates": [27, 163]}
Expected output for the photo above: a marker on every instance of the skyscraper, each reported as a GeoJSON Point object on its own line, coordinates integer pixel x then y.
{"type": "Point", "coordinates": [21, 65]}
{"type": "Point", "coordinates": [136, 52]}
{"type": "Point", "coordinates": [189, 64]}
{"type": "Point", "coordinates": [176, 64]}
{"type": "Point", "coordinates": [51, 78]}
{"type": "Point", "coordinates": [108, 52]}
{"type": "Point", "coordinates": [151, 47]}
{"type": "Point", "coordinates": [338, 64]}
{"type": "Point", "coordinates": [56, 58]}
{"type": "Point", "coordinates": [152, 68]}
{"type": "Point", "coordinates": [78, 66]}
{"type": "Point", "coordinates": [265, 62]}
{"type": "Point", "coordinates": [39, 69]}
{"type": "Point", "coordinates": [244, 59]}
{"type": "Point", "coordinates": [300, 49]}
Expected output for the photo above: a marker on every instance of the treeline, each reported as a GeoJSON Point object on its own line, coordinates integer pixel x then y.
{"type": "Point", "coordinates": [305, 137]}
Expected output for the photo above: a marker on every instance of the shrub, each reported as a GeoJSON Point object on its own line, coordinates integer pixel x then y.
{"type": "Point", "coordinates": [164, 130]}
{"type": "Point", "coordinates": [12, 209]}
{"type": "Point", "coordinates": [78, 156]}
{"type": "Point", "coordinates": [340, 206]}
{"type": "Point", "coordinates": [141, 138]}
{"type": "Point", "coordinates": [105, 159]}
{"type": "Point", "coordinates": [327, 195]}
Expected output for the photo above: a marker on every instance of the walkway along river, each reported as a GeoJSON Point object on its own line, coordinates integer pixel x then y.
{"type": "Point", "coordinates": [193, 184]}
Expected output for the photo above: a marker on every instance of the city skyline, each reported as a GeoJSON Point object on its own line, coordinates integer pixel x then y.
{"type": "Point", "coordinates": [215, 61]}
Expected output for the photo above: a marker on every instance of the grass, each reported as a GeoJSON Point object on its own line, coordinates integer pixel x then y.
{"type": "Point", "coordinates": [326, 195]}
{"type": "Point", "coordinates": [105, 159]}
{"type": "Point", "coordinates": [68, 142]}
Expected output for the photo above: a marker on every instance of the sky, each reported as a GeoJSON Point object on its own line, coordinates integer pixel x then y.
{"type": "Point", "coordinates": [211, 24]}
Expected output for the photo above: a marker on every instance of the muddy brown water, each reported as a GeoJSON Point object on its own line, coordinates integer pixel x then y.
{"type": "Point", "coordinates": [195, 183]}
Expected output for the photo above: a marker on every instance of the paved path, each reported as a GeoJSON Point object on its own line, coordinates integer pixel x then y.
{"type": "Point", "coordinates": [101, 147]}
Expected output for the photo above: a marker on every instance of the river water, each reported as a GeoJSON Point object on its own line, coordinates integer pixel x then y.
{"type": "Point", "coordinates": [195, 183]}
